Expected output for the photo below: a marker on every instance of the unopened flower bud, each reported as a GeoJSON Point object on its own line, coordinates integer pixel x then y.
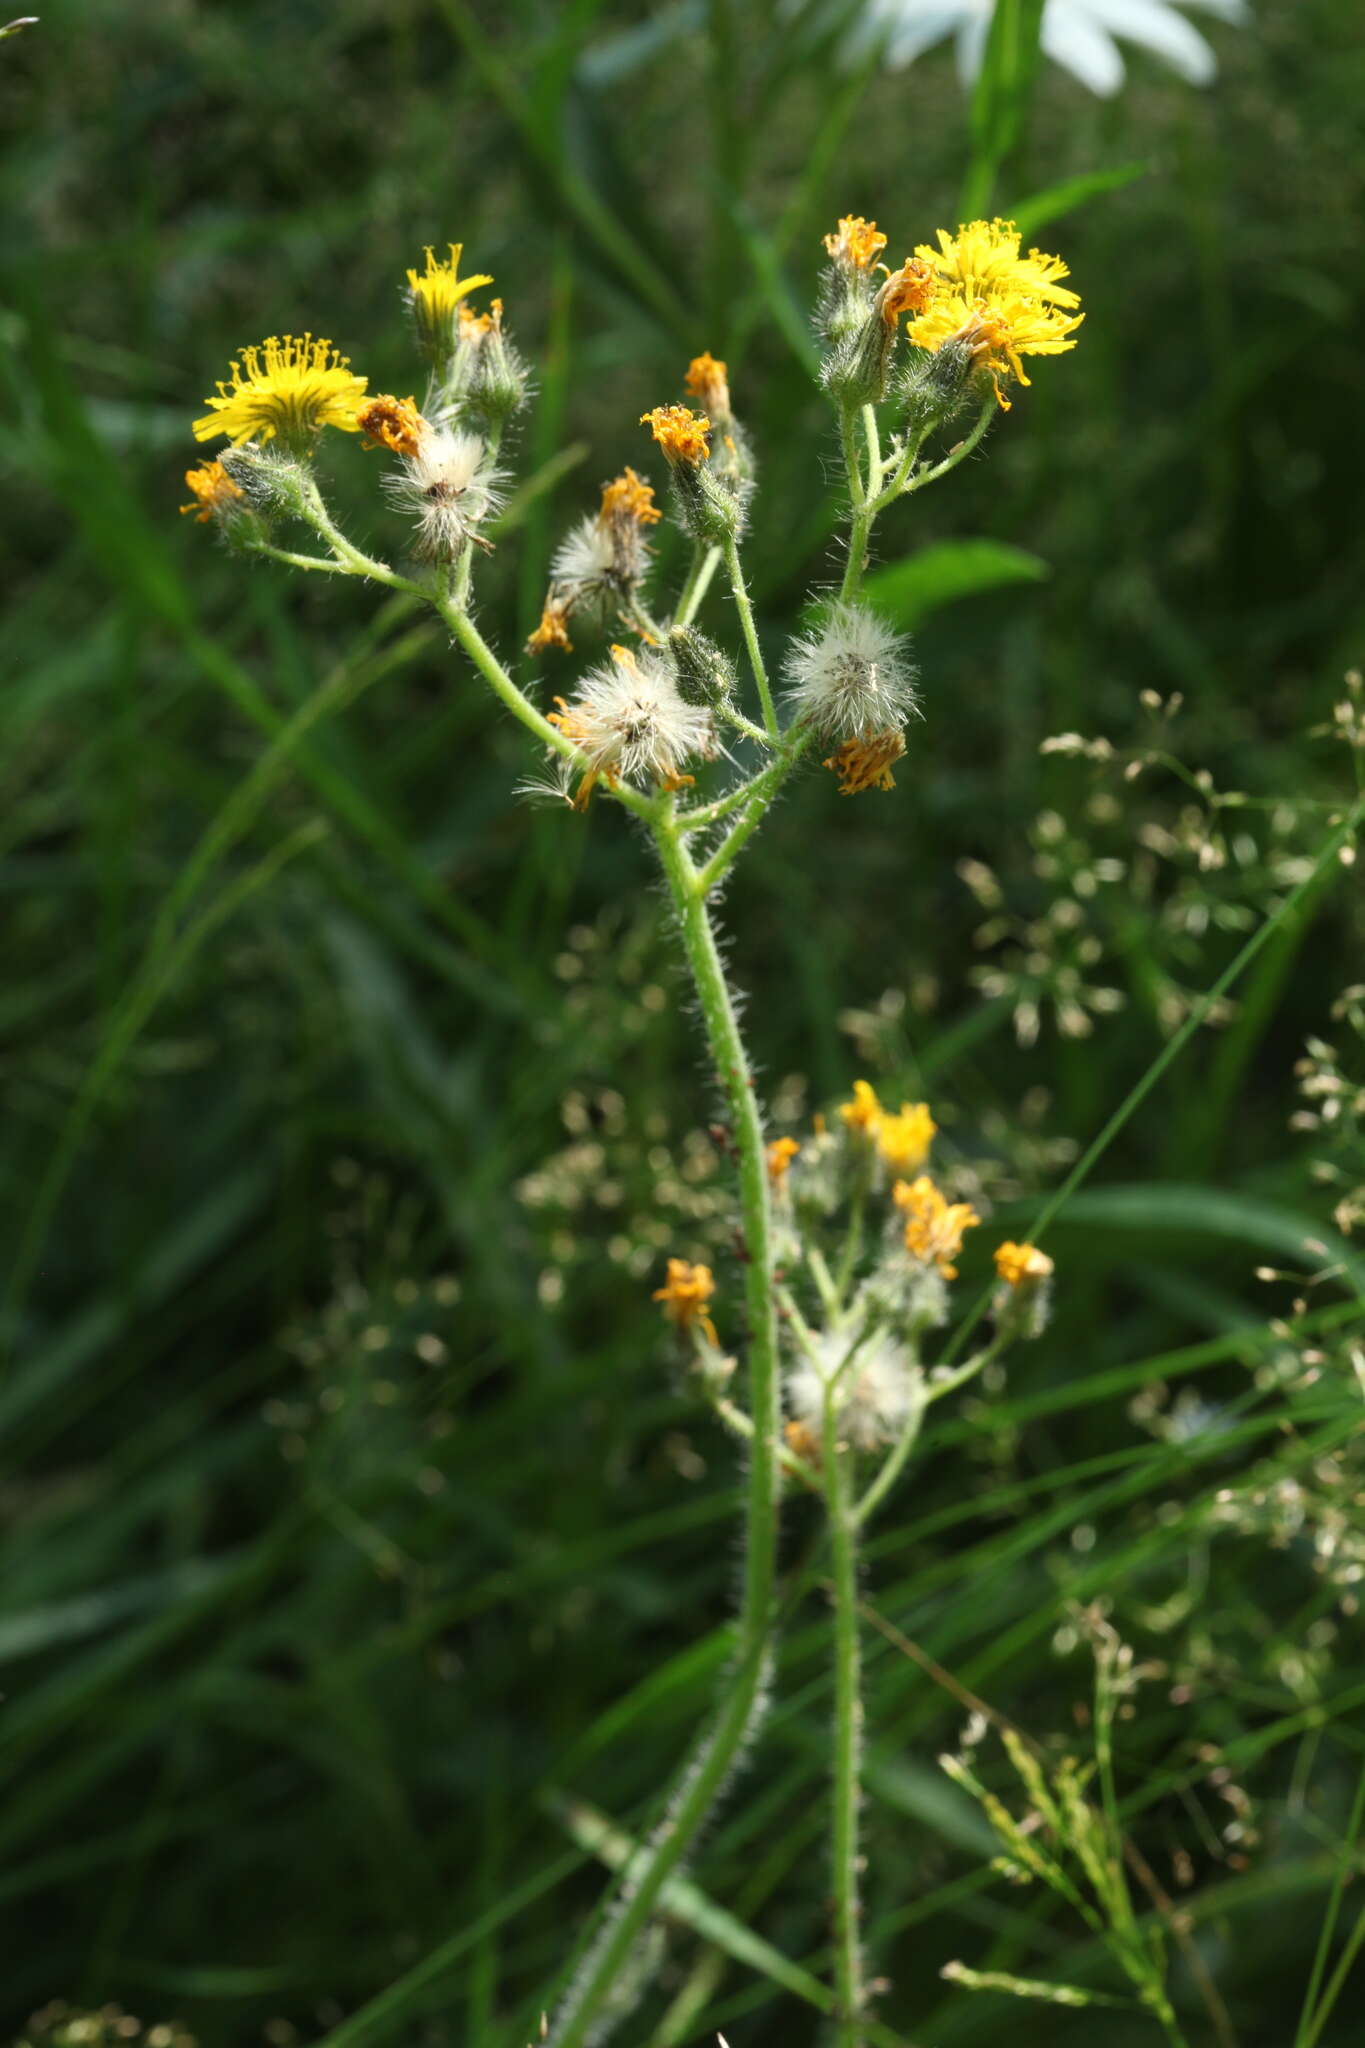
{"type": "Point", "coordinates": [705, 673]}
{"type": "Point", "coordinates": [1023, 1301]}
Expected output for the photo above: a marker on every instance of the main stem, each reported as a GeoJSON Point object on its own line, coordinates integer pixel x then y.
{"type": "Point", "coordinates": [848, 1714]}
{"type": "Point", "coordinates": [711, 1764]}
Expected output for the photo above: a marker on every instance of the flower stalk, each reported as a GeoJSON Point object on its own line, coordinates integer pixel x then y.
{"type": "Point", "coordinates": [642, 726]}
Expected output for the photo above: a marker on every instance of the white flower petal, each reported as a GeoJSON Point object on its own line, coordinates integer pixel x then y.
{"type": "Point", "coordinates": [1070, 38]}
{"type": "Point", "coordinates": [912, 26]}
{"type": "Point", "coordinates": [1226, 10]}
{"type": "Point", "coordinates": [1157, 27]}
{"type": "Point", "coordinates": [971, 40]}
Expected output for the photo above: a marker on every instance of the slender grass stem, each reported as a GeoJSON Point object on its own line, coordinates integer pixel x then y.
{"type": "Point", "coordinates": [746, 619]}
{"type": "Point", "coordinates": [713, 1761]}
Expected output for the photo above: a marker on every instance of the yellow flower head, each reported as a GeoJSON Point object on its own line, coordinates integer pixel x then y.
{"type": "Point", "coordinates": [934, 1226]}
{"type": "Point", "coordinates": [214, 491]}
{"type": "Point", "coordinates": [681, 434]}
{"type": "Point", "coordinates": [863, 1113]}
{"type": "Point", "coordinates": [629, 497]}
{"type": "Point", "coordinates": [553, 631]}
{"type": "Point", "coordinates": [781, 1153]}
{"type": "Point", "coordinates": [434, 294]}
{"type": "Point", "coordinates": [392, 423]}
{"type": "Point", "coordinates": [866, 762]}
{"type": "Point", "coordinates": [907, 290]}
{"type": "Point", "coordinates": [996, 332]}
{"type": "Point", "coordinates": [903, 1141]}
{"type": "Point", "coordinates": [684, 1296]}
{"type": "Point", "coordinates": [1022, 1265]}
{"type": "Point", "coordinates": [708, 382]}
{"type": "Point", "coordinates": [291, 387]}
{"type": "Point", "coordinates": [983, 260]}
{"type": "Point", "coordinates": [855, 242]}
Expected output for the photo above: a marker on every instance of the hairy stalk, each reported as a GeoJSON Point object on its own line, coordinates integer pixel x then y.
{"type": "Point", "coordinates": [581, 2018]}
{"type": "Point", "coordinates": [705, 562]}
{"type": "Point", "coordinates": [750, 631]}
{"type": "Point", "coordinates": [848, 1716]}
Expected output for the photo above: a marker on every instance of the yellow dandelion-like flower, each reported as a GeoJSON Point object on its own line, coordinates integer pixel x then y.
{"type": "Point", "coordinates": [292, 388]}
{"type": "Point", "coordinates": [866, 761]}
{"type": "Point", "coordinates": [781, 1153]}
{"type": "Point", "coordinates": [855, 242]}
{"type": "Point", "coordinates": [863, 1113]}
{"type": "Point", "coordinates": [1022, 1265]}
{"type": "Point", "coordinates": [629, 497]}
{"type": "Point", "coordinates": [934, 1226]}
{"type": "Point", "coordinates": [996, 332]}
{"type": "Point", "coordinates": [983, 259]}
{"type": "Point", "coordinates": [903, 1141]}
{"type": "Point", "coordinates": [392, 423]}
{"type": "Point", "coordinates": [684, 1296]}
{"type": "Point", "coordinates": [707, 381]}
{"type": "Point", "coordinates": [435, 296]}
{"type": "Point", "coordinates": [682, 435]}
{"type": "Point", "coordinates": [553, 631]}
{"type": "Point", "coordinates": [214, 491]}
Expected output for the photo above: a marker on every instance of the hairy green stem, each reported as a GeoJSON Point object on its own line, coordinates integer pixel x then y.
{"type": "Point", "coordinates": [580, 2017]}
{"type": "Point", "coordinates": [761, 793]}
{"type": "Point", "coordinates": [705, 562]}
{"type": "Point", "coordinates": [750, 631]}
{"type": "Point", "coordinates": [848, 1715]}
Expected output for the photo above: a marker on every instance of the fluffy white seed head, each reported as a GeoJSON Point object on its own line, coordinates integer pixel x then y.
{"type": "Point", "coordinates": [852, 677]}
{"type": "Point", "coordinates": [874, 1391]}
{"type": "Point", "coordinates": [450, 486]}
{"type": "Point", "coordinates": [628, 719]}
{"type": "Point", "coordinates": [599, 563]}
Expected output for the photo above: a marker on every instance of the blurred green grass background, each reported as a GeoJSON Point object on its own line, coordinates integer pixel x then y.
{"type": "Point", "coordinates": [353, 1519]}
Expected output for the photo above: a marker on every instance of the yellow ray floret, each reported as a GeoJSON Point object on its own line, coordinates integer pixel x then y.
{"type": "Point", "coordinates": [863, 1112]}
{"type": "Point", "coordinates": [682, 435]}
{"type": "Point", "coordinates": [781, 1153]}
{"type": "Point", "coordinates": [903, 1140]}
{"type": "Point", "coordinates": [707, 380]}
{"type": "Point", "coordinates": [855, 242]}
{"type": "Point", "coordinates": [214, 491]}
{"type": "Point", "coordinates": [685, 1294]}
{"type": "Point", "coordinates": [984, 258]}
{"type": "Point", "coordinates": [291, 387]}
{"type": "Point", "coordinates": [866, 762]}
{"type": "Point", "coordinates": [997, 332]}
{"type": "Point", "coordinates": [392, 423]}
{"type": "Point", "coordinates": [629, 497]}
{"type": "Point", "coordinates": [435, 293]}
{"type": "Point", "coordinates": [934, 1226]}
{"type": "Point", "coordinates": [1021, 1265]}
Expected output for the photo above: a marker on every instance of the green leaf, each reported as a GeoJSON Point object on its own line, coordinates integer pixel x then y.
{"type": "Point", "coordinates": [1054, 200]}
{"type": "Point", "coordinates": [1194, 1211]}
{"type": "Point", "coordinates": [906, 592]}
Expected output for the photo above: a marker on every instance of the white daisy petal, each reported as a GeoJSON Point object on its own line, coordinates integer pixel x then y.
{"type": "Point", "coordinates": [1070, 38]}
{"type": "Point", "coordinates": [1157, 27]}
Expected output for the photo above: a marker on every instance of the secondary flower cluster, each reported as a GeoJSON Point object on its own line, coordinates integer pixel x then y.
{"type": "Point", "coordinates": [861, 1363]}
{"type": "Point", "coordinates": [969, 310]}
{"type": "Point", "coordinates": [977, 305]}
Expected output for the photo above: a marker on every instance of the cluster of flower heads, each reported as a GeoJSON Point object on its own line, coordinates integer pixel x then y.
{"type": "Point", "coordinates": [977, 304]}
{"type": "Point", "coordinates": [863, 1365]}
{"type": "Point", "coordinates": [279, 396]}
{"type": "Point", "coordinates": [971, 309]}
